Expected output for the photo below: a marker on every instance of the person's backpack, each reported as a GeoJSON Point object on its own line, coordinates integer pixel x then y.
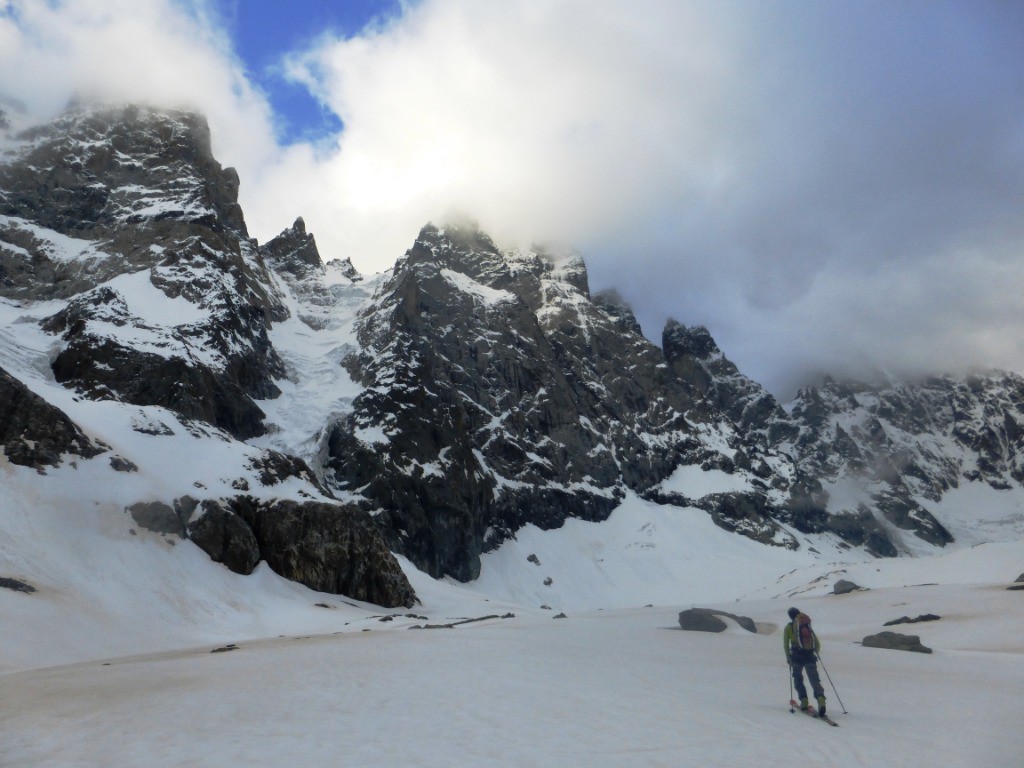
{"type": "Point", "coordinates": [803, 636]}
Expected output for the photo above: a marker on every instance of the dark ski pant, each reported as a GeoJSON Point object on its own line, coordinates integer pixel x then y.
{"type": "Point", "coordinates": [812, 675]}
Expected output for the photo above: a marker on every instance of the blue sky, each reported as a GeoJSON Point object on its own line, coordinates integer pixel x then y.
{"type": "Point", "coordinates": [826, 185]}
{"type": "Point", "coordinates": [265, 31]}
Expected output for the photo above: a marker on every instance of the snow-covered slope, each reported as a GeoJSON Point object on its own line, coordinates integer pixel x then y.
{"type": "Point", "coordinates": [295, 683]}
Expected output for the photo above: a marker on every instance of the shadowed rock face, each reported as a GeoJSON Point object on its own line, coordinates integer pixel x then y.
{"type": "Point", "coordinates": [501, 393]}
{"type": "Point", "coordinates": [328, 547]}
{"type": "Point", "coordinates": [505, 395]}
{"type": "Point", "coordinates": [34, 433]}
{"type": "Point", "coordinates": [113, 183]}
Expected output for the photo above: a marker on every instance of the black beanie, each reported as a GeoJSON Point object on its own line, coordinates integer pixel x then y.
{"type": "Point", "coordinates": [793, 612]}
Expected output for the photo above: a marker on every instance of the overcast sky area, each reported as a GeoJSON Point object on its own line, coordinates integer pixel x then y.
{"type": "Point", "coordinates": [824, 185]}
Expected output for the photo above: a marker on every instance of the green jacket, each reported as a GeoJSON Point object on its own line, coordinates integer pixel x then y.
{"type": "Point", "coordinates": [787, 642]}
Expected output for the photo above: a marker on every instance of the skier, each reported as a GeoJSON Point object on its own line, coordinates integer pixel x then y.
{"type": "Point", "coordinates": [801, 645]}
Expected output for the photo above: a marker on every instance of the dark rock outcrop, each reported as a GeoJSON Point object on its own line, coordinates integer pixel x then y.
{"type": "Point", "coordinates": [498, 393]}
{"type": "Point", "coordinates": [908, 620]}
{"type": "Point", "coordinates": [35, 433]}
{"type": "Point", "coordinates": [16, 585]}
{"type": "Point", "coordinates": [226, 537]}
{"type": "Point", "coordinates": [102, 193]}
{"type": "Point", "coordinates": [706, 620]}
{"type": "Point", "coordinates": [696, 359]}
{"type": "Point", "coordinates": [158, 517]}
{"type": "Point", "coordinates": [328, 547]}
{"type": "Point", "coordinates": [293, 255]}
{"type": "Point", "coordinates": [503, 393]}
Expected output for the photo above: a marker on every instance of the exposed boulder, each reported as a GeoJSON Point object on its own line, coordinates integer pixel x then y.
{"type": "Point", "coordinates": [158, 517]}
{"type": "Point", "coordinates": [330, 548]}
{"type": "Point", "coordinates": [844, 586]}
{"type": "Point", "coordinates": [707, 620]}
{"type": "Point", "coordinates": [895, 641]}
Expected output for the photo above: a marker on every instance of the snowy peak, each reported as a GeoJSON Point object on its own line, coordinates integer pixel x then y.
{"type": "Point", "coordinates": [934, 434]}
{"type": "Point", "coordinates": [906, 451]}
{"type": "Point", "coordinates": [537, 276]}
{"type": "Point", "coordinates": [100, 192]}
{"type": "Point", "coordinates": [104, 167]}
{"type": "Point", "coordinates": [718, 384]}
{"type": "Point", "coordinates": [293, 252]}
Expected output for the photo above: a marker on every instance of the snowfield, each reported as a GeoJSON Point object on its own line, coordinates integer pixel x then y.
{"type": "Point", "coordinates": [134, 652]}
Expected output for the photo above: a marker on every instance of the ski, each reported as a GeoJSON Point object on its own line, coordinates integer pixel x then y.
{"type": "Point", "coordinates": [812, 712]}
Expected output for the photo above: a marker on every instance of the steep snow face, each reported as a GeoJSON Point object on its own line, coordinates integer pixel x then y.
{"type": "Point", "coordinates": [315, 390]}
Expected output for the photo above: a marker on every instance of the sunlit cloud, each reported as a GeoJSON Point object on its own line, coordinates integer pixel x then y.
{"type": "Point", "coordinates": [822, 185]}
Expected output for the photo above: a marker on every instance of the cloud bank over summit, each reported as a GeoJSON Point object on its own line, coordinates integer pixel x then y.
{"type": "Point", "coordinates": [825, 186]}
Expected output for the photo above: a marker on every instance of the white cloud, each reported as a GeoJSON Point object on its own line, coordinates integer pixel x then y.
{"type": "Point", "coordinates": [822, 186]}
{"type": "Point", "coordinates": [541, 119]}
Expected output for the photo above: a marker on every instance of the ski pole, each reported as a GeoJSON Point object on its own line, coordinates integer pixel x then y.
{"type": "Point", "coordinates": [791, 710]}
{"type": "Point", "coordinates": [832, 684]}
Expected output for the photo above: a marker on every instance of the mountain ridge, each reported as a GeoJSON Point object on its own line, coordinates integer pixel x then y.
{"type": "Point", "coordinates": [438, 407]}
